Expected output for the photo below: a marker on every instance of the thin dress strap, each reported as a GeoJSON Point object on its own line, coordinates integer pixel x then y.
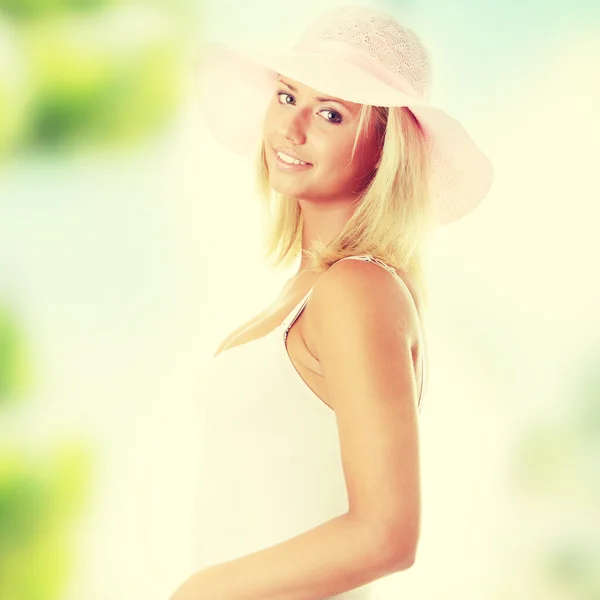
{"type": "Point", "coordinates": [294, 313]}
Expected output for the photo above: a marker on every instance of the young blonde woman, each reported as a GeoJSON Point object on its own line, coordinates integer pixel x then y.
{"type": "Point", "coordinates": [310, 481]}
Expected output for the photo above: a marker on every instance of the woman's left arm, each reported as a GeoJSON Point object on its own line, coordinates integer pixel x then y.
{"type": "Point", "coordinates": [362, 327]}
{"type": "Point", "coordinates": [337, 556]}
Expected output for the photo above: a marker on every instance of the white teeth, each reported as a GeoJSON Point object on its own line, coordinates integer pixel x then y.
{"type": "Point", "coordinates": [289, 159]}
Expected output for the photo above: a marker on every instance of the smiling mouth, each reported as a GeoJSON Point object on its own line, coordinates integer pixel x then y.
{"type": "Point", "coordinates": [302, 164]}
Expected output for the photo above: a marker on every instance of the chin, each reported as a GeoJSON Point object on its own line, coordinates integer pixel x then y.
{"type": "Point", "coordinates": [282, 188]}
{"type": "Point", "coordinates": [292, 190]}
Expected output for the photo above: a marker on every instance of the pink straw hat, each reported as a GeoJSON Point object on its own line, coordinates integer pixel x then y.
{"type": "Point", "coordinates": [360, 55]}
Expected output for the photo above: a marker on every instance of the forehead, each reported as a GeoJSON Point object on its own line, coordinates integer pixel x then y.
{"type": "Point", "coordinates": [353, 107]}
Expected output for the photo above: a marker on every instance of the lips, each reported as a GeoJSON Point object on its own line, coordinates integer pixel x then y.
{"type": "Point", "coordinates": [290, 153]}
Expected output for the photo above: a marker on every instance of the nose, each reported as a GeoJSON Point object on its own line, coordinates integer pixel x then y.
{"type": "Point", "coordinates": [292, 128]}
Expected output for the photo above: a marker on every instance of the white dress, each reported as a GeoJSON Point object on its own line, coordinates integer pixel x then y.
{"type": "Point", "coordinates": [270, 458]}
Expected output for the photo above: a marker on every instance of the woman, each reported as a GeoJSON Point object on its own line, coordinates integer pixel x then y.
{"type": "Point", "coordinates": [310, 486]}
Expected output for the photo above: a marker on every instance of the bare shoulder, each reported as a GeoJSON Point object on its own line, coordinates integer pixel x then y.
{"type": "Point", "coordinates": [355, 298]}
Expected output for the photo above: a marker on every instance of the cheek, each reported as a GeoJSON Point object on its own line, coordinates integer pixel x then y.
{"type": "Point", "coordinates": [335, 153]}
{"type": "Point", "coordinates": [341, 165]}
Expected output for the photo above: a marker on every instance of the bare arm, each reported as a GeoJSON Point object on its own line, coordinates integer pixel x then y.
{"type": "Point", "coordinates": [337, 556]}
{"type": "Point", "coordinates": [366, 327]}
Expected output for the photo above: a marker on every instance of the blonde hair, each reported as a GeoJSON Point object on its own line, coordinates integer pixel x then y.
{"type": "Point", "coordinates": [393, 216]}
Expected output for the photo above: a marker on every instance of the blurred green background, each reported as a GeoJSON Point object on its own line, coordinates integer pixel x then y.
{"type": "Point", "coordinates": [42, 489]}
{"type": "Point", "coordinates": [88, 73]}
{"type": "Point", "coordinates": [77, 78]}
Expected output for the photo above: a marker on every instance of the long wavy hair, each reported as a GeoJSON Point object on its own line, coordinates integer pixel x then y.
{"type": "Point", "coordinates": [393, 215]}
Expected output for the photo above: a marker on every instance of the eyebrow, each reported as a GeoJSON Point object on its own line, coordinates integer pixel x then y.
{"type": "Point", "coordinates": [325, 99]}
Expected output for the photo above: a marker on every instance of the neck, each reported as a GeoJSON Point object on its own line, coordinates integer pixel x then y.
{"type": "Point", "coordinates": [321, 222]}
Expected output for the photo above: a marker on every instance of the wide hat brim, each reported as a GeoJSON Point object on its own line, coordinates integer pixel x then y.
{"type": "Point", "coordinates": [236, 84]}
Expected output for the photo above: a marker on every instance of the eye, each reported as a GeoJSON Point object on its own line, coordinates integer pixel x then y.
{"type": "Point", "coordinates": [328, 110]}
{"type": "Point", "coordinates": [280, 93]}
{"type": "Point", "coordinates": [339, 117]}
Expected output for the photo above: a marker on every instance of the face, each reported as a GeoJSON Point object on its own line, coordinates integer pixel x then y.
{"type": "Point", "coordinates": [319, 130]}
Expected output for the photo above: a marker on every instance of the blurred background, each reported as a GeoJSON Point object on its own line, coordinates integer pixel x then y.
{"type": "Point", "coordinates": [115, 290]}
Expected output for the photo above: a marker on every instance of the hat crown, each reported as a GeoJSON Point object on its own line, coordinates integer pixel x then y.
{"type": "Point", "coordinates": [397, 48]}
